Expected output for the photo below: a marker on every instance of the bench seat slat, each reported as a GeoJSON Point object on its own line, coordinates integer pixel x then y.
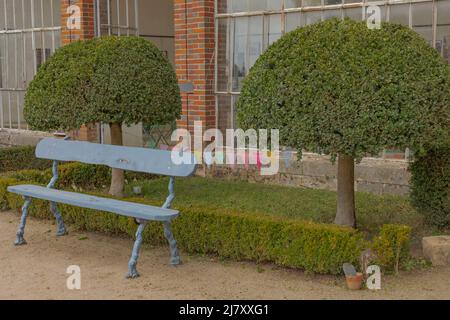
{"type": "Point", "coordinates": [128, 209]}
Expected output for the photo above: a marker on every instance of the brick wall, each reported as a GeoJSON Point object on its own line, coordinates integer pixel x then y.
{"type": "Point", "coordinates": [86, 31]}
{"type": "Point", "coordinates": [194, 59]}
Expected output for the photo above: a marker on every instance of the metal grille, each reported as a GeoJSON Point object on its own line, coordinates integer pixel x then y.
{"type": "Point", "coordinates": [30, 32]}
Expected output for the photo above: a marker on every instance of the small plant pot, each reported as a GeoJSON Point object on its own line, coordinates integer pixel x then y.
{"type": "Point", "coordinates": [355, 282]}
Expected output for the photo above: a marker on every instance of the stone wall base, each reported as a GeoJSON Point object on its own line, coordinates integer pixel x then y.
{"type": "Point", "coordinates": [376, 176]}
{"type": "Point", "coordinates": [15, 137]}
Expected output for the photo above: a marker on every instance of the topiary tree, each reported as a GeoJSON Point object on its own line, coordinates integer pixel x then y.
{"type": "Point", "coordinates": [113, 80]}
{"type": "Point", "coordinates": [341, 89]}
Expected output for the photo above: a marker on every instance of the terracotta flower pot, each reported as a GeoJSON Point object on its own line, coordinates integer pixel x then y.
{"type": "Point", "coordinates": [355, 282]}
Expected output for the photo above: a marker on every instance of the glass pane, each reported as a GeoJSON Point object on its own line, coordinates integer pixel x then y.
{"type": "Point", "coordinates": [443, 29]}
{"type": "Point", "coordinates": [311, 3]}
{"type": "Point", "coordinates": [312, 17]}
{"type": "Point", "coordinates": [6, 21]}
{"type": "Point", "coordinates": [329, 14]}
{"type": "Point", "coordinates": [234, 100]}
{"type": "Point", "coordinates": [37, 14]}
{"type": "Point", "coordinates": [256, 5]}
{"type": "Point", "coordinates": [274, 4]}
{"type": "Point", "coordinates": [239, 6]}
{"type": "Point", "coordinates": [223, 6]}
{"type": "Point", "coordinates": [331, 2]}
{"type": "Point", "coordinates": [443, 11]}
{"type": "Point", "coordinates": [353, 13]}
{"type": "Point", "coordinates": [293, 21]}
{"type": "Point", "coordinates": [422, 18]}
{"type": "Point", "coordinates": [274, 28]}
{"type": "Point", "coordinates": [2, 61]}
{"type": "Point", "coordinates": [27, 19]}
{"type": "Point", "coordinates": [224, 116]}
{"type": "Point", "coordinates": [400, 14]}
{"type": "Point", "coordinates": [293, 3]}
{"type": "Point", "coordinates": [223, 60]}
{"type": "Point", "coordinates": [248, 46]}
{"type": "Point", "coordinates": [240, 51]}
{"type": "Point", "coordinates": [255, 45]}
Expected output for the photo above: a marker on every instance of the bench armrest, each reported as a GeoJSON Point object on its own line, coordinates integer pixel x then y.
{"type": "Point", "coordinates": [55, 177]}
{"type": "Point", "coordinates": [171, 195]}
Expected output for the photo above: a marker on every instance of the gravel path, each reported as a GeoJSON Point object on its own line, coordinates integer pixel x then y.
{"type": "Point", "coordinates": [38, 271]}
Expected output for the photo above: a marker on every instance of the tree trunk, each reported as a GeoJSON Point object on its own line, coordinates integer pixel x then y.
{"type": "Point", "coordinates": [345, 215]}
{"type": "Point", "coordinates": [118, 176]}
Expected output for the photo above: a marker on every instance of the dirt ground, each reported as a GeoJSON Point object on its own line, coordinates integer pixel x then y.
{"type": "Point", "coordinates": [38, 271]}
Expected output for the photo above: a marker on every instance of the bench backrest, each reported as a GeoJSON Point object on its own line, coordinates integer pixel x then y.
{"type": "Point", "coordinates": [118, 157]}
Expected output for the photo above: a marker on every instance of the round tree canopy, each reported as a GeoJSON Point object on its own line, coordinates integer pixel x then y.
{"type": "Point", "coordinates": [340, 88]}
{"type": "Point", "coordinates": [109, 79]}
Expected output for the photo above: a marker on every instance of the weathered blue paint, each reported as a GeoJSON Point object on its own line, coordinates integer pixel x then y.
{"type": "Point", "coordinates": [55, 176]}
{"type": "Point", "coordinates": [132, 270]}
{"type": "Point", "coordinates": [129, 209]}
{"type": "Point", "coordinates": [134, 159]}
{"type": "Point", "coordinates": [118, 157]}
{"type": "Point", "coordinates": [61, 228]}
{"type": "Point", "coordinates": [20, 240]}
{"type": "Point", "coordinates": [175, 257]}
{"type": "Point", "coordinates": [171, 195]}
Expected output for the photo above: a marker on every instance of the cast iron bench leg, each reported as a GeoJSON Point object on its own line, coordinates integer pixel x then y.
{"type": "Point", "coordinates": [23, 221]}
{"type": "Point", "coordinates": [132, 271]}
{"type": "Point", "coordinates": [61, 231]}
{"type": "Point", "coordinates": [175, 257]}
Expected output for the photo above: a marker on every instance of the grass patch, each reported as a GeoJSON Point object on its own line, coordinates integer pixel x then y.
{"type": "Point", "coordinates": [373, 211]}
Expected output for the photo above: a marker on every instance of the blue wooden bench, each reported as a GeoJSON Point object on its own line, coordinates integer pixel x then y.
{"type": "Point", "coordinates": [132, 159]}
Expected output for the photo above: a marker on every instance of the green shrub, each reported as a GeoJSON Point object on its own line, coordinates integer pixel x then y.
{"type": "Point", "coordinates": [309, 246]}
{"type": "Point", "coordinates": [430, 186]}
{"type": "Point", "coordinates": [339, 88]}
{"type": "Point", "coordinates": [77, 176]}
{"type": "Point", "coordinates": [314, 247]}
{"type": "Point", "coordinates": [392, 246]}
{"type": "Point", "coordinates": [4, 184]}
{"type": "Point", "coordinates": [108, 79]}
{"type": "Point", "coordinates": [21, 158]}
{"type": "Point", "coordinates": [114, 80]}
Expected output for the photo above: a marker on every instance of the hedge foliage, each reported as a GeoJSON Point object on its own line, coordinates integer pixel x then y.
{"type": "Point", "coordinates": [309, 246]}
{"type": "Point", "coordinates": [21, 158]}
{"type": "Point", "coordinates": [108, 79]}
{"type": "Point", "coordinates": [76, 176]}
{"type": "Point", "coordinates": [338, 87]}
{"type": "Point", "coordinates": [430, 186]}
{"type": "Point", "coordinates": [392, 246]}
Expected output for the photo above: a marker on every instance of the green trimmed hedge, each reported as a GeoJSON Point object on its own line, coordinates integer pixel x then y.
{"type": "Point", "coordinates": [76, 176]}
{"type": "Point", "coordinates": [309, 246]}
{"type": "Point", "coordinates": [21, 158]}
{"type": "Point", "coordinates": [430, 186]}
{"type": "Point", "coordinates": [392, 246]}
